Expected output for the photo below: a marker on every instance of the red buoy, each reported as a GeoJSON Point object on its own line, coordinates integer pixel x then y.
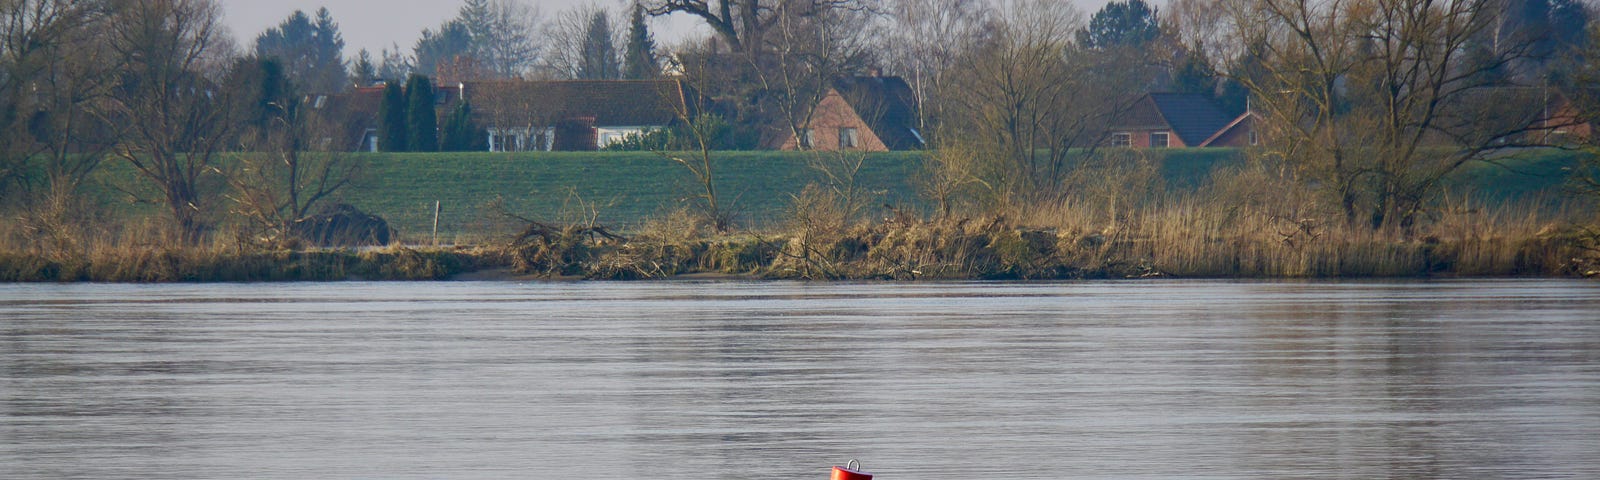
{"type": "Point", "coordinates": [851, 471]}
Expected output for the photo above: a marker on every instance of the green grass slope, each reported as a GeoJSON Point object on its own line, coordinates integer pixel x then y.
{"type": "Point", "coordinates": [624, 189]}
{"type": "Point", "coordinates": [620, 188]}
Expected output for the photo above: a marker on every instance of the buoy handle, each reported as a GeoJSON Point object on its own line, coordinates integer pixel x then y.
{"type": "Point", "coordinates": [853, 465]}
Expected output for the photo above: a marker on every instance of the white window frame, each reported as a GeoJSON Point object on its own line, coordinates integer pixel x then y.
{"type": "Point", "coordinates": [1121, 140]}
{"type": "Point", "coordinates": [849, 137]}
{"type": "Point", "coordinates": [1166, 139]}
{"type": "Point", "coordinates": [521, 139]}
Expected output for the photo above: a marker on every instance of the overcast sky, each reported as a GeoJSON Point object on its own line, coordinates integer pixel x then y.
{"type": "Point", "coordinates": [378, 24]}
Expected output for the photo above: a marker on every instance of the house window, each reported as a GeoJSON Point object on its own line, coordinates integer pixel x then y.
{"type": "Point", "coordinates": [1252, 138]}
{"type": "Point", "coordinates": [542, 140]}
{"type": "Point", "coordinates": [847, 138]}
{"type": "Point", "coordinates": [501, 141]}
{"type": "Point", "coordinates": [1160, 140]}
{"type": "Point", "coordinates": [1121, 140]}
{"type": "Point", "coordinates": [807, 138]}
{"type": "Point", "coordinates": [517, 140]}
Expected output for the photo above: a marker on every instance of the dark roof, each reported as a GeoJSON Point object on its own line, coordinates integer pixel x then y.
{"type": "Point", "coordinates": [616, 103]}
{"type": "Point", "coordinates": [887, 105]}
{"type": "Point", "coordinates": [350, 114]}
{"type": "Point", "coordinates": [1193, 117]}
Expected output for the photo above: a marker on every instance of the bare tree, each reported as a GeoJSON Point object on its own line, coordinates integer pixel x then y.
{"type": "Point", "coordinates": [568, 46]}
{"type": "Point", "coordinates": [702, 131]}
{"type": "Point", "coordinates": [921, 40]}
{"type": "Point", "coordinates": [1376, 100]}
{"type": "Point", "coordinates": [1034, 101]}
{"type": "Point", "coordinates": [168, 99]}
{"type": "Point", "coordinates": [53, 69]}
{"type": "Point", "coordinates": [505, 37]}
{"type": "Point", "coordinates": [744, 24]}
{"type": "Point", "coordinates": [810, 52]}
{"type": "Point", "coordinates": [1201, 26]}
{"type": "Point", "coordinates": [288, 167]}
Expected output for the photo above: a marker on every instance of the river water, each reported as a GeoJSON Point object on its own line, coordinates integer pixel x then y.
{"type": "Point", "coordinates": [756, 380]}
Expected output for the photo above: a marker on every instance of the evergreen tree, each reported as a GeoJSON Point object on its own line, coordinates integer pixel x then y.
{"type": "Point", "coordinates": [392, 120]}
{"type": "Point", "coordinates": [1569, 21]}
{"type": "Point", "coordinates": [459, 132]}
{"type": "Point", "coordinates": [639, 61]}
{"type": "Point", "coordinates": [363, 71]}
{"type": "Point", "coordinates": [1193, 74]}
{"type": "Point", "coordinates": [272, 97]}
{"type": "Point", "coordinates": [478, 20]}
{"type": "Point", "coordinates": [599, 51]}
{"type": "Point", "coordinates": [422, 123]}
{"type": "Point", "coordinates": [312, 53]}
{"type": "Point", "coordinates": [330, 69]}
{"type": "Point", "coordinates": [500, 36]}
{"type": "Point", "coordinates": [1569, 31]}
{"type": "Point", "coordinates": [1121, 24]}
{"type": "Point", "coordinates": [434, 49]}
{"type": "Point", "coordinates": [265, 101]}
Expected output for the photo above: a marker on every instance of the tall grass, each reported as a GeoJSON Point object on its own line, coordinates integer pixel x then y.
{"type": "Point", "coordinates": [142, 254]}
{"type": "Point", "coordinates": [1246, 225]}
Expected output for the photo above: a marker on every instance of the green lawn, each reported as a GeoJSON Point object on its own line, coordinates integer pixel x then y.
{"type": "Point", "coordinates": [627, 188]}
{"type": "Point", "coordinates": [624, 188]}
{"type": "Point", "coordinates": [1536, 175]}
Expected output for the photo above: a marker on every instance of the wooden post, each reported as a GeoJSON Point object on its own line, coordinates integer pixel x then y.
{"type": "Point", "coordinates": [435, 223]}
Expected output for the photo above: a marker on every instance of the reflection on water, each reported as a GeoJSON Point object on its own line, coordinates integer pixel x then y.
{"type": "Point", "coordinates": [680, 380]}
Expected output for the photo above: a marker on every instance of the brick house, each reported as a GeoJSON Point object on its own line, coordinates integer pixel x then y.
{"type": "Point", "coordinates": [1178, 120]}
{"type": "Point", "coordinates": [526, 115]}
{"type": "Point", "coordinates": [871, 113]}
{"type": "Point", "coordinates": [1562, 122]}
{"type": "Point", "coordinates": [575, 115]}
{"type": "Point", "coordinates": [1241, 132]}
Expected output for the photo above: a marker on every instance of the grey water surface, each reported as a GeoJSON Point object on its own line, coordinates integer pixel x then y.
{"type": "Point", "coordinates": [1479, 379]}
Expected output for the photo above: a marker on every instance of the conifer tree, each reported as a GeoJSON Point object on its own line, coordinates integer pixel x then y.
{"type": "Point", "coordinates": [422, 131]}
{"type": "Point", "coordinates": [392, 120]}
{"type": "Point", "coordinates": [599, 51]}
{"type": "Point", "coordinates": [312, 51]}
{"type": "Point", "coordinates": [363, 71]}
{"type": "Point", "coordinates": [1131, 23]}
{"type": "Point", "coordinates": [459, 132]}
{"type": "Point", "coordinates": [639, 61]}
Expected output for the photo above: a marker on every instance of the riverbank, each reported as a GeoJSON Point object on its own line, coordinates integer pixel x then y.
{"type": "Point", "coordinates": [1188, 215]}
{"type": "Point", "coordinates": [967, 249]}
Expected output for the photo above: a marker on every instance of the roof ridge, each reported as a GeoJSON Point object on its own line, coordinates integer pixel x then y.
{"type": "Point", "coordinates": [1225, 128]}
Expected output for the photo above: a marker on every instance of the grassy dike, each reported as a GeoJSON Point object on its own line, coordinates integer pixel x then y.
{"type": "Point", "coordinates": [642, 196]}
{"type": "Point", "coordinates": [620, 189]}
